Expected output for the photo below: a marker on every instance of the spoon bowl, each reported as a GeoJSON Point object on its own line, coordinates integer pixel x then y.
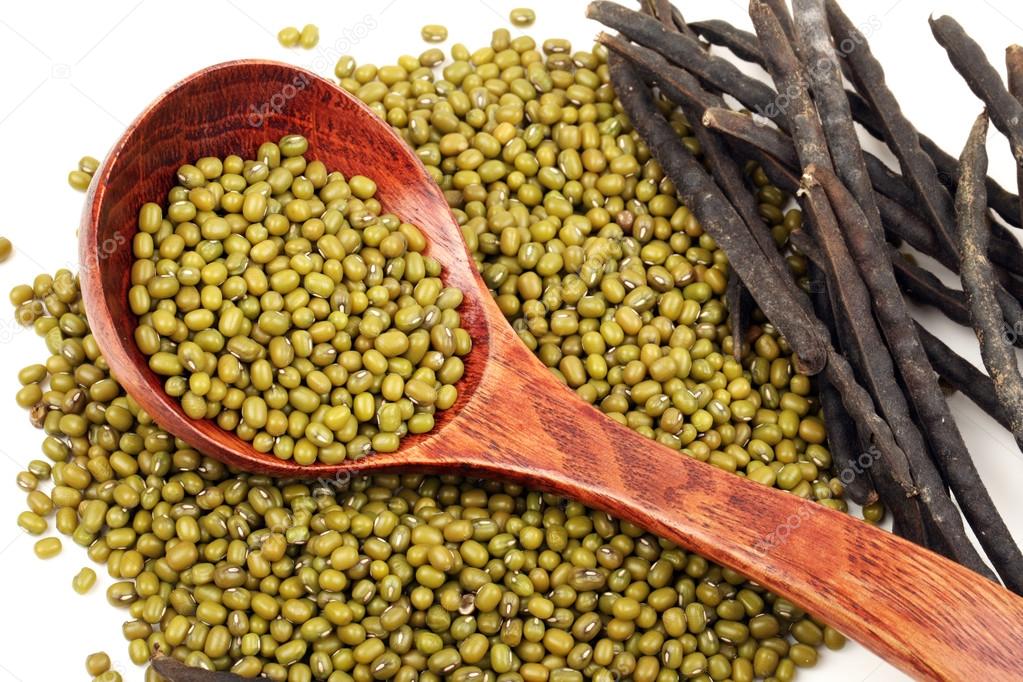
{"type": "Point", "coordinates": [513, 419]}
{"type": "Point", "coordinates": [233, 108]}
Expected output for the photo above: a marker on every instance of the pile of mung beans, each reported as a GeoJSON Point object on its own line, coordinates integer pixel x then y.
{"type": "Point", "coordinates": [587, 251]}
{"type": "Point", "coordinates": [276, 298]}
{"type": "Point", "coordinates": [616, 289]}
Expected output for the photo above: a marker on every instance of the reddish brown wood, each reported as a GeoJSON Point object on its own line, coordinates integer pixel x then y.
{"type": "Point", "coordinates": [514, 420]}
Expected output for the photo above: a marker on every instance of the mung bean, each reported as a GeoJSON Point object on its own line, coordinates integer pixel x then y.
{"type": "Point", "coordinates": [79, 180]}
{"type": "Point", "coordinates": [83, 580]}
{"type": "Point", "coordinates": [522, 17]}
{"type": "Point", "coordinates": [288, 36]}
{"type": "Point", "coordinates": [309, 36]}
{"type": "Point", "coordinates": [434, 33]}
{"type": "Point", "coordinates": [47, 548]}
{"type": "Point", "coordinates": [98, 663]}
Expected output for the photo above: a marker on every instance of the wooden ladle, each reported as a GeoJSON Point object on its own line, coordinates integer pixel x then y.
{"type": "Point", "coordinates": [514, 420]}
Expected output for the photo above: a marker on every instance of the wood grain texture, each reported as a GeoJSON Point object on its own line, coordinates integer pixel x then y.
{"type": "Point", "coordinates": [514, 420]}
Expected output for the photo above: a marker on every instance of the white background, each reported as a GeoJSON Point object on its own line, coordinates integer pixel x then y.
{"type": "Point", "coordinates": [74, 74]}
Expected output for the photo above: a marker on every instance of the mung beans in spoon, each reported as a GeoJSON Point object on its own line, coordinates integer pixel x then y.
{"type": "Point", "coordinates": [277, 298]}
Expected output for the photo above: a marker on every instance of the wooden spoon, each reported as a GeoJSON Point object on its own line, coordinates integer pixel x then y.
{"type": "Point", "coordinates": [514, 420]}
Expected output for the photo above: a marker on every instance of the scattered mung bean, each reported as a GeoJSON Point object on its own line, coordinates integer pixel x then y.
{"type": "Point", "coordinates": [522, 17]}
{"type": "Point", "coordinates": [88, 164]}
{"type": "Point", "coordinates": [288, 36]}
{"type": "Point", "coordinates": [309, 37]}
{"type": "Point", "coordinates": [434, 33]}
{"type": "Point", "coordinates": [47, 548]}
{"type": "Point", "coordinates": [32, 522]}
{"type": "Point", "coordinates": [97, 663]}
{"type": "Point", "coordinates": [83, 580]}
{"type": "Point", "coordinates": [79, 180]}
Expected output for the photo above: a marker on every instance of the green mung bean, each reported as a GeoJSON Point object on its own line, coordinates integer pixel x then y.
{"type": "Point", "coordinates": [833, 639]}
{"type": "Point", "coordinates": [79, 180]}
{"type": "Point", "coordinates": [47, 548]}
{"type": "Point", "coordinates": [32, 522]}
{"type": "Point", "coordinates": [288, 36]}
{"type": "Point", "coordinates": [522, 17]}
{"type": "Point", "coordinates": [27, 481]}
{"type": "Point", "coordinates": [88, 164]}
{"type": "Point", "coordinates": [434, 33]}
{"type": "Point", "coordinates": [873, 512]}
{"type": "Point", "coordinates": [309, 36]}
{"type": "Point", "coordinates": [97, 663]}
{"type": "Point", "coordinates": [83, 581]}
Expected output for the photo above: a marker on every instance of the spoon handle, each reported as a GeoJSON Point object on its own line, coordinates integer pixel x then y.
{"type": "Point", "coordinates": [927, 615]}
